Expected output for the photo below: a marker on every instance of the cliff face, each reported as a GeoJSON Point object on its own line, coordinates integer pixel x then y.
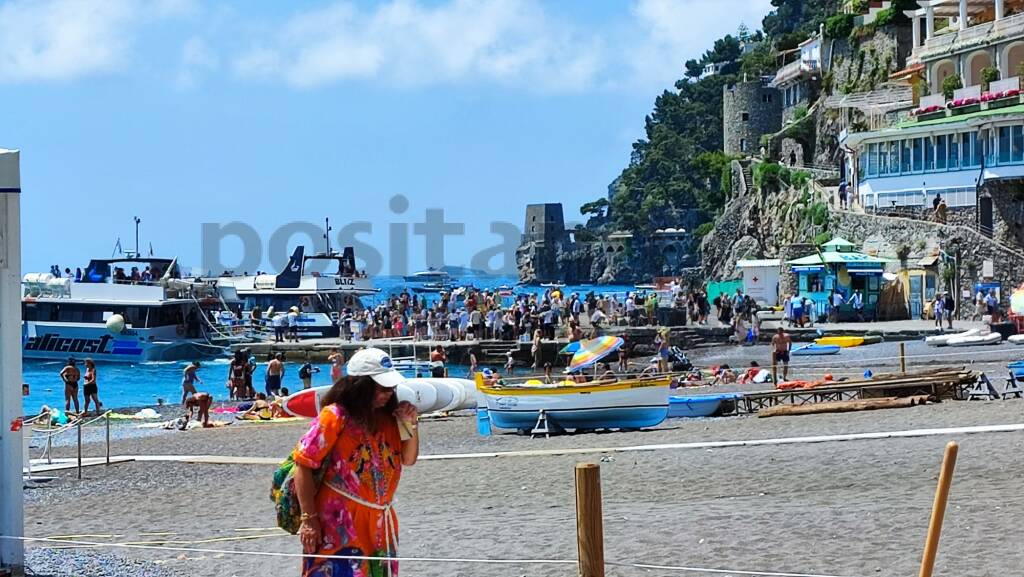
{"type": "Point", "coordinates": [758, 221]}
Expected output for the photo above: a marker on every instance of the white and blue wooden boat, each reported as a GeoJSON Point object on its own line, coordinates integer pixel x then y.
{"type": "Point", "coordinates": [815, 349]}
{"type": "Point", "coordinates": [625, 404]}
{"type": "Point", "coordinates": [699, 405]}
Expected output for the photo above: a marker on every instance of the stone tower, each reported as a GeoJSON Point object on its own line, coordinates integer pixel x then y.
{"type": "Point", "coordinates": [544, 223]}
{"type": "Point", "coordinates": [749, 110]}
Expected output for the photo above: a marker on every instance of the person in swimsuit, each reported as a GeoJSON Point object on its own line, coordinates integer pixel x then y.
{"type": "Point", "coordinates": [91, 388]}
{"type": "Point", "coordinates": [236, 375]}
{"type": "Point", "coordinates": [70, 375]}
{"type": "Point", "coordinates": [188, 381]}
{"type": "Point", "coordinates": [781, 344]}
{"type": "Point", "coordinates": [275, 370]}
{"type": "Point", "coordinates": [202, 402]}
{"type": "Point", "coordinates": [337, 360]}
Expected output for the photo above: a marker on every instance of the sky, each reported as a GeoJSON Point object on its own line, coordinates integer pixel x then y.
{"type": "Point", "coordinates": [266, 117]}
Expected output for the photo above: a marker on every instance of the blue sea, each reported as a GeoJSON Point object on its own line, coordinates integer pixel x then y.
{"type": "Point", "coordinates": [135, 385]}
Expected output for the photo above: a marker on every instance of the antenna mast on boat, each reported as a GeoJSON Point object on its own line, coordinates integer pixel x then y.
{"type": "Point", "coordinates": [137, 251]}
{"type": "Point", "coordinates": [327, 234]}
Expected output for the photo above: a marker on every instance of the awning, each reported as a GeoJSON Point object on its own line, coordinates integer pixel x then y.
{"type": "Point", "coordinates": [809, 268]}
{"type": "Point", "coordinates": [929, 260]}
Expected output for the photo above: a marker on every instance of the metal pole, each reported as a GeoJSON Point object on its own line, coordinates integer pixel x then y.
{"type": "Point", "coordinates": [12, 512]}
{"type": "Point", "coordinates": [931, 544]}
{"type": "Point", "coordinates": [78, 428]}
{"type": "Point", "coordinates": [903, 358]}
{"type": "Point", "coordinates": [108, 437]}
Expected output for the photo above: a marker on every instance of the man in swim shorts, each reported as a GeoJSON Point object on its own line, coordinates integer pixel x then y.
{"type": "Point", "coordinates": [275, 371]}
{"type": "Point", "coordinates": [70, 375]}
{"type": "Point", "coordinates": [781, 343]}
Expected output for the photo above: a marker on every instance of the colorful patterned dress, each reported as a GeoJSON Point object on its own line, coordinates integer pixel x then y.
{"type": "Point", "coordinates": [360, 463]}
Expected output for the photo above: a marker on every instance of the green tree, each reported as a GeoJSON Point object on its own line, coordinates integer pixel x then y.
{"type": "Point", "coordinates": [595, 208]}
{"type": "Point", "coordinates": [801, 16]}
{"type": "Point", "coordinates": [694, 68]}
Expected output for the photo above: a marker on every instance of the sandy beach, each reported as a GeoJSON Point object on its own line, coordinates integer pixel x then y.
{"type": "Point", "coordinates": [836, 508]}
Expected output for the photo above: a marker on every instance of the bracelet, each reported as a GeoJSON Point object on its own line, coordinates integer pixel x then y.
{"type": "Point", "coordinates": [306, 517]}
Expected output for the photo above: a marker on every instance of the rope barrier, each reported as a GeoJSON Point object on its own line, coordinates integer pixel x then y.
{"type": "Point", "coordinates": [63, 543]}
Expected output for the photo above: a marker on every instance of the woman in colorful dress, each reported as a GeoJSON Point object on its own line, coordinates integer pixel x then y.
{"type": "Point", "coordinates": [362, 439]}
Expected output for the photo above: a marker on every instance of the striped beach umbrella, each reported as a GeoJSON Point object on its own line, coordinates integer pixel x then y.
{"type": "Point", "coordinates": [1017, 301]}
{"type": "Point", "coordinates": [593, 350]}
{"type": "Point", "coordinates": [571, 348]}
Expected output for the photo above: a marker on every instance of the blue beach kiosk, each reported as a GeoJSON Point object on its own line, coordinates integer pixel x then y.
{"type": "Point", "coordinates": [838, 266]}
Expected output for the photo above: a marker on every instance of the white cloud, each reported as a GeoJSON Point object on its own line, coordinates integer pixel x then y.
{"type": "Point", "coordinates": [406, 42]}
{"type": "Point", "coordinates": [196, 58]}
{"type": "Point", "coordinates": [670, 32]}
{"type": "Point", "coordinates": [59, 40]}
{"type": "Point", "coordinates": [62, 39]}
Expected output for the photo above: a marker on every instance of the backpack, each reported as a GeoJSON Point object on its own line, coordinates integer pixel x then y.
{"type": "Point", "coordinates": [285, 498]}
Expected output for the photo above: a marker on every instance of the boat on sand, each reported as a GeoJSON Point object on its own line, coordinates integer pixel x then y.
{"type": "Point", "coordinates": [816, 349]}
{"type": "Point", "coordinates": [699, 405]}
{"type": "Point", "coordinates": [623, 404]}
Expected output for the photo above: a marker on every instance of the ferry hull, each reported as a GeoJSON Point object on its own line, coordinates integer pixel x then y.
{"type": "Point", "coordinates": [42, 341]}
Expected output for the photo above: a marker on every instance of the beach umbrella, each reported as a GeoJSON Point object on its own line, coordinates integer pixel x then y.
{"type": "Point", "coordinates": [594, 350]}
{"type": "Point", "coordinates": [1017, 302]}
{"type": "Point", "coordinates": [571, 348]}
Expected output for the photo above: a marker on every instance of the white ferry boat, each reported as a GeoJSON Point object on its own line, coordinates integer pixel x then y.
{"type": "Point", "coordinates": [431, 276]}
{"type": "Point", "coordinates": [320, 298]}
{"type": "Point", "coordinates": [110, 317]}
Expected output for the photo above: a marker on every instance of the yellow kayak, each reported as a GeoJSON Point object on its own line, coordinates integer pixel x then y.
{"type": "Point", "coordinates": [841, 341]}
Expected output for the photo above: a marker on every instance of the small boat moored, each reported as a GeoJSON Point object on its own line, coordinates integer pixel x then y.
{"type": "Point", "coordinates": [700, 405]}
{"type": "Point", "coordinates": [816, 349]}
{"type": "Point", "coordinates": [625, 404]}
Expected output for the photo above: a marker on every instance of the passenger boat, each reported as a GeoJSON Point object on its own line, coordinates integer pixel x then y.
{"type": "Point", "coordinates": [816, 349]}
{"type": "Point", "coordinates": [700, 405]}
{"type": "Point", "coordinates": [107, 316]}
{"type": "Point", "coordinates": [430, 276]}
{"type": "Point", "coordinates": [322, 298]}
{"type": "Point", "coordinates": [625, 404]}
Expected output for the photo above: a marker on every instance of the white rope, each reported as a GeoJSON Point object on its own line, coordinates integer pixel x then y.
{"type": "Point", "coordinates": [709, 570]}
{"type": "Point", "coordinates": [93, 544]}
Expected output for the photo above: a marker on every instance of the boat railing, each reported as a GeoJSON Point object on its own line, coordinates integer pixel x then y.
{"type": "Point", "coordinates": [565, 379]}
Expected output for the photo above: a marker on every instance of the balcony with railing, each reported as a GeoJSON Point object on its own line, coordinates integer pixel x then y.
{"type": "Point", "coordinates": [1000, 93]}
{"type": "Point", "coordinates": [794, 71]}
{"type": "Point", "coordinates": [951, 41]}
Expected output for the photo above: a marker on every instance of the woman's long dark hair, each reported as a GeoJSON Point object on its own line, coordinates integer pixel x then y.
{"type": "Point", "coordinates": [355, 395]}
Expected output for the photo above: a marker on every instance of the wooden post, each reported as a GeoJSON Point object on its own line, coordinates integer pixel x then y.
{"type": "Point", "coordinates": [78, 427]}
{"type": "Point", "coordinates": [589, 523]}
{"type": "Point", "coordinates": [108, 437]}
{"type": "Point", "coordinates": [775, 368]}
{"type": "Point", "coordinates": [931, 544]}
{"type": "Point", "coordinates": [903, 358]}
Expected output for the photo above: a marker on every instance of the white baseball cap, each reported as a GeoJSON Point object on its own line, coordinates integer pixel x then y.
{"type": "Point", "coordinates": [374, 363]}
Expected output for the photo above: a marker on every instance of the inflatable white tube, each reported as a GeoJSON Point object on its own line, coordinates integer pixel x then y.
{"type": "Point", "coordinates": [989, 339]}
{"type": "Point", "coordinates": [1016, 339]}
{"type": "Point", "coordinates": [943, 340]}
{"type": "Point", "coordinates": [424, 394]}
